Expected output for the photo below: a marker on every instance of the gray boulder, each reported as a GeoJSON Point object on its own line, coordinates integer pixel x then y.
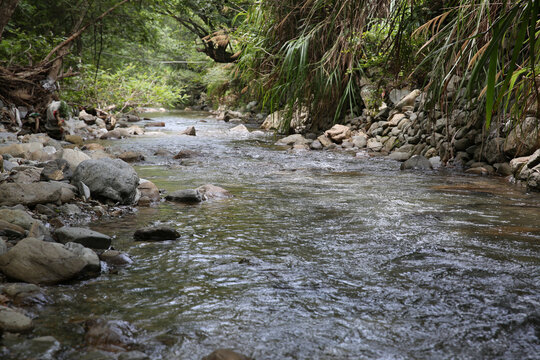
{"type": "Point", "coordinates": [399, 156]}
{"type": "Point", "coordinates": [185, 196]}
{"type": "Point", "coordinates": [417, 162]}
{"type": "Point", "coordinates": [14, 321]}
{"type": "Point", "coordinates": [86, 237]}
{"type": "Point", "coordinates": [40, 262]}
{"type": "Point", "coordinates": [156, 233]}
{"type": "Point", "coordinates": [115, 257]}
{"type": "Point", "coordinates": [108, 178]}
{"type": "Point", "coordinates": [35, 193]}
{"type": "Point", "coordinates": [210, 191]}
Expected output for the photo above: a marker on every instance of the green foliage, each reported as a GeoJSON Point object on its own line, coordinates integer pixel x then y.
{"type": "Point", "coordinates": [314, 53]}
{"type": "Point", "coordinates": [125, 88]}
{"type": "Point", "coordinates": [492, 46]}
{"type": "Point", "coordinates": [217, 80]}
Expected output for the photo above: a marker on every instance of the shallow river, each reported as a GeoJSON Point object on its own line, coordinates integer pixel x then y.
{"type": "Point", "coordinates": [319, 255]}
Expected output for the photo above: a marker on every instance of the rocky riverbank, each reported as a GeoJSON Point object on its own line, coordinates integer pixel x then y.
{"type": "Point", "coordinates": [50, 191]}
{"type": "Point", "coordinates": [403, 129]}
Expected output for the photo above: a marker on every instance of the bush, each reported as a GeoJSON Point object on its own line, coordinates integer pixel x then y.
{"type": "Point", "coordinates": [124, 89]}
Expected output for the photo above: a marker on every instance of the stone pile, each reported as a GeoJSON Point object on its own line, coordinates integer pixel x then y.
{"type": "Point", "coordinates": [405, 129]}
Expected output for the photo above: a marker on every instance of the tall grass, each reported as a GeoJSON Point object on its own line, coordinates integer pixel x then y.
{"type": "Point", "coordinates": [493, 46]}
{"type": "Point", "coordinates": [313, 54]}
{"type": "Point", "coordinates": [308, 53]}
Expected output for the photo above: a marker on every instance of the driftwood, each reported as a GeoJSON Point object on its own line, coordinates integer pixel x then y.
{"type": "Point", "coordinates": [35, 86]}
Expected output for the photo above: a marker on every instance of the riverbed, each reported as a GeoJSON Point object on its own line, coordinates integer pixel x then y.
{"type": "Point", "coordinates": [319, 255]}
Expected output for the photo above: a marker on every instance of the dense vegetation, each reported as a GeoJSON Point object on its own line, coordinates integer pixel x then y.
{"type": "Point", "coordinates": [317, 55]}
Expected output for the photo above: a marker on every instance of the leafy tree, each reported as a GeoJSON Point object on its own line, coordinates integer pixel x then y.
{"type": "Point", "coordinates": [211, 20]}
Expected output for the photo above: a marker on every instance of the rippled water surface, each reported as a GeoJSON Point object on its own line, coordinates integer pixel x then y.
{"type": "Point", "coordinates": [319, 255]}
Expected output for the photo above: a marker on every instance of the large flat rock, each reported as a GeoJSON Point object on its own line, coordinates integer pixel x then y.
{"type": "Point", "coordinates": [39, 262]}
{"type": "Point", "coordinates": [35, 193]}
{"type": "Point", "coordinates": [86, 237]}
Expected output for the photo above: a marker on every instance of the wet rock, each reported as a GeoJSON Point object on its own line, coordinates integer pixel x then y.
{"type": "Point", "coordinates": [115, 257]}
{"type": "Point", "coordinates": [108, 178]}
{"type": "Point", "coordinates": [74, 139]}
{"type": "Point", "coordinates": [399, 156]}
{"type": "Point", "coordinates": [240, 129]}
{"type": "Point", "coordinates": [35, 193]}
{"type": "Point", "coordinates": [185, 196]}
{"type": "Point", "coordinates": [11, 231]}
{"type": "Point", "coordinates": [86, 237]}
{"type": "Point", "coordinates": [93, 266]}
{"type": "Point", "coordinates": [25, 174]}
{"type": "Point", "coordinates": [338, 133]}
{"type": "Point", "coordinates": [109, 335]}
{"type": "Point", "coordinates": [57, 170]}
{"type": "Point", "coordinates": [1, 163]}
{"type": "Point", "coordinates": [131, 156]}
{"type": "Point", "coordinates": [225, 354]}
{"type": "Point", "coordinates": [189, 131]}
{"type": "Point", "coordinates": [210, 192]}
{"type": "Point", "coordinates": [22, 294]}
{"type": "Point", "coordinates": [14, 321]}
{"type": "Point", "coordinates": [156, 233]}
{"type": "Point", "coordinates": [316, 145]}
{"type": "Point", "coordinates": [39, 262]}
{"type": "Point", "coordinates": [149, 191]}
{"type": "Point", "coordinates": [293, 140]}
{"type": "Point", "coordinates": [324, 140]}
{"type": "Point", "coordinates": [417, 162]}
{"type": "Point", "coordinates": [155, 124]}
{"type": "Point", "coordinates": [74, 157]}
{"type": "Point", "coordinates": [186, 154]}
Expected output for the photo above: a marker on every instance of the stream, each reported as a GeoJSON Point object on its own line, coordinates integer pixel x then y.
{"type": "Point", "coordinates": [319, 255]}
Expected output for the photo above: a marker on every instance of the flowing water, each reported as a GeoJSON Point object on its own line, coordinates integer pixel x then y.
{"type": "Point", "coordinates": [319, 255]}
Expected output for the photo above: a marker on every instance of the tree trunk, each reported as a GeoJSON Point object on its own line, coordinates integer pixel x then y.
{"type": "Point", "coordinates": [7, 7]}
